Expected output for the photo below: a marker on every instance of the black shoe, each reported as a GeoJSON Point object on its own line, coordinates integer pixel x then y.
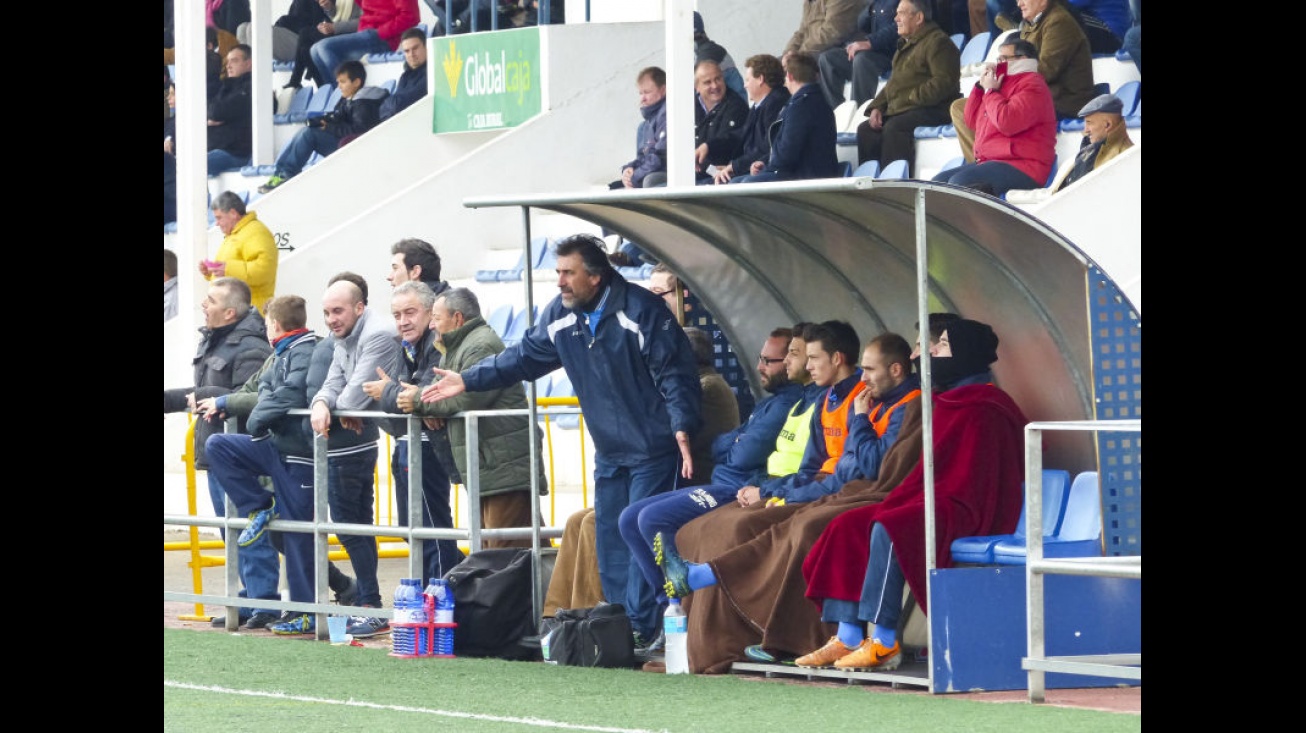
{"type": "Point", "coordinates": [653, 648]}
{"type": "Point", "coordinates": [348, 596]}
{"type": "Point", "coordinates": [260, 620]}
{"type": "Point", "coordinates": [220, 621]}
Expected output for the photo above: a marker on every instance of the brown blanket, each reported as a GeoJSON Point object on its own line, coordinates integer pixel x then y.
{"type": "Point", "coordinates": [757, 554]}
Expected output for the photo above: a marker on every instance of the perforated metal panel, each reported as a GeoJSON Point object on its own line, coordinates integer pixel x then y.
{"type": "Point", "coordinates": [1116, 336]}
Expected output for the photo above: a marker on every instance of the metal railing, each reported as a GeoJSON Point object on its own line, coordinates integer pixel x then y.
{"type": "Point", "coordinates": [1036, 661]}
{"type": "Point", "coordinates": [321, 530]}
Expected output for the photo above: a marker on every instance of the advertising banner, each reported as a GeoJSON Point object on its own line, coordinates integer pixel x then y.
{"type": "Point", "coordinates": [486, 81]}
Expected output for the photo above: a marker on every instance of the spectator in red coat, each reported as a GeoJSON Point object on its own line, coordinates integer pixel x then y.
{"type": "Point", "coordinates": [1010, 109]}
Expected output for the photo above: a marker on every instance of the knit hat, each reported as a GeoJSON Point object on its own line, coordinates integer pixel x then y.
{"type": "Point", "coordinates": [973, 342]}
{"type": "Point", "coordinates": [698, 23]}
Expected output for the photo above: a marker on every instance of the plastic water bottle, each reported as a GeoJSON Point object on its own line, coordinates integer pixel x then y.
{"type": "Point", "coordinates": [444, 607]}
{"type": "Point", "coordinates": [675, 626]}
{"type": "Point", "coordinates": [403, 639]}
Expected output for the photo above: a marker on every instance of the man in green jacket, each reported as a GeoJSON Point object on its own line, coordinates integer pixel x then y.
{"type": "Point", "coordinates": [503, 451]}
{"type": "Point", "coordinates": [926, 79]}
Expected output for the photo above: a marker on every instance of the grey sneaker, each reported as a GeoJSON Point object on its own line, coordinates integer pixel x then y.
{"type": "Point", "coordinates": [364, 626]}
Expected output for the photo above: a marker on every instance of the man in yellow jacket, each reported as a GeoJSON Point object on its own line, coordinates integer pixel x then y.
{"type": "Point", "coordinates": [248, 251]}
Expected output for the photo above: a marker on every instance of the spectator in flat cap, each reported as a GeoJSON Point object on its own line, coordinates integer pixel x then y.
{"type": "Point", "coordinates": [1105, 137]}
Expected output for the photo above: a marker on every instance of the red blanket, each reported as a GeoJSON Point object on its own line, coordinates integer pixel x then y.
{"type": "Point", "coordinates": [978, 469]}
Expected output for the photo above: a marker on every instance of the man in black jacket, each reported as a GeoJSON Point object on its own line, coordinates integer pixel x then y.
{"type": "Point", "coordinates": [719, 118]}
{"type": "Point", "coordinates": [358, 111]}
{"type": "Point", "coordinates": [412, 83]}
{"type": "Point", "coordinates": [233, 346]}
{"type": "Point", "coordinates": [231, 134]}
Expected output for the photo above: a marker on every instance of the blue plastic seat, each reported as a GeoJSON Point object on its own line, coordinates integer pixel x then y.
{"type": "Point", "coordinates": [980, 550]}
{"type": "Point", "coordinates": [1078, 533]}
{"type": "Point", "coordinates": [927, 132]}
{"type": "Point", "coordinates": [298, 105]}
{"type": "Point", "coordinates": [500, 318]}
{"type": "Point", "coordinates": [845, 169]}
{"type": "Point", "coordinates": [333, 97]}
{"type": "Point", "coordinates": [1128, 94]}
{"type": "Point", "coordinates": [870, 169]}
{"type": "Point", "coordinates": [975, 49]}
{"type": "Point", "coordinates": [895, 169]}
{"type": "Point", "coordinates": [517, 328]}
{"type": "Point", "coordinates": [316, 104]}
{"type": "Point", "coordinates": [947, 130]}
{"type": "Point", "coordinates": [959, 39]}
{"type": "Point", "coordinates": [953, 163]}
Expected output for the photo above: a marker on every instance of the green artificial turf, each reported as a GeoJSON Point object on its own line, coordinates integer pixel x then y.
{"type": "Point", "coordinates": [257, 684]}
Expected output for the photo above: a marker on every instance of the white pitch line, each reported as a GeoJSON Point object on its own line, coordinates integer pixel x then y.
{"type": "Point", "coordinates": [539, 722]}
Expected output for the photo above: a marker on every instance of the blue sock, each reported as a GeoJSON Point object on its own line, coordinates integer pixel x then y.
{"type": "Point", "coordinates": [700, 575]}
{"type": "Point", "coordinates": [851, 634]}
{"type": "Point", "coordinates": [887, 636]}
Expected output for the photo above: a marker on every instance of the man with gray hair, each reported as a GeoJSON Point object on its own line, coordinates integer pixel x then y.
{"type": "Point", "coordinates": [233, 346]}
{"type": "Point", "coordinates": [503, 453]}
{"type": "Point", "coordinates": [410, 304]}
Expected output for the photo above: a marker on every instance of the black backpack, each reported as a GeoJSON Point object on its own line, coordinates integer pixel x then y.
{"type": "Point", "coordinates": [492, 604]}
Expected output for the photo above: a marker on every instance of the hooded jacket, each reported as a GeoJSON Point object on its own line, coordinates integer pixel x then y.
{"type": "Point", "coordinates": [356, 115]}
{"type": "Point", "coordinates": [652, 154]}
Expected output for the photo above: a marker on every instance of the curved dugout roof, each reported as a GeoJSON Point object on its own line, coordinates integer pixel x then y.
{"type": "Point", "coordinates": [767, 255]}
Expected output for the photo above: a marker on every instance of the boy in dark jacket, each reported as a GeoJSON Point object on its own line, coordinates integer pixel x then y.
{"type": "Point", "coordinates": [358, 111]}
{"type": "Point", "coordinates": [279, 445]}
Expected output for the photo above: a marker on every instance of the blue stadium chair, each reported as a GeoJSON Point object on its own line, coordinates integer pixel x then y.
{"type": "Point", "coordinates": [1128, 94]}
{"type": "Point", "coordinates": [298, 106]}
{"type": "Point", "coordinates": [1135, 119]}
{"type": "Point", "coordinates": [389, 85]}
{"type": "Point", "coordinates": [500, 318]}
{"type": "Point", "coordinates": [1078, 534]}
{"type": "Point", "coordinates": [548, 256]}
{"type": "Point", "coordinates": [317, 105]}
{"type": "Point", "coordinates": [980, 550]}
{"type": "Point", "coordinates": [975, 49]}
{"type": "Point", "coordinates": [947, 131]}
{"type": "Point", "coordinates": [927, 132]}
{"type": "Point", "coordinates": [845, 138]}
{"type": "Point", "coordinates": [895, 169]}
{"type": "Point", "coordinates": [845, 169]}
{"type": "Point", "coordinates": [283, 65]}
{"type": "Point", "coordinates": [1056, 163]}
{"type": "Point", "coordinates": [959, 39]}
{"type": "Point", "coordinates": [517, 328]}
{"type": "Point", "coordinates": [870, 169]}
